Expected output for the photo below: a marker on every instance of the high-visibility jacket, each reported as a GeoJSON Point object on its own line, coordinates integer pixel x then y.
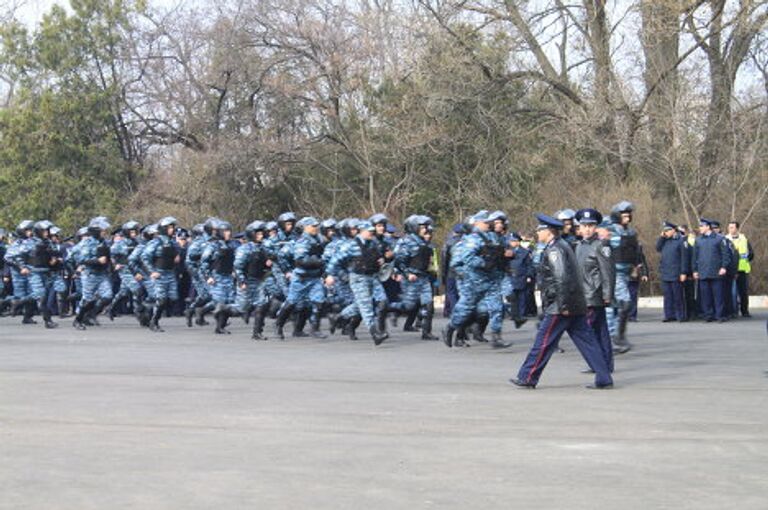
{"type": "Point", "coordinates": [745, 252]}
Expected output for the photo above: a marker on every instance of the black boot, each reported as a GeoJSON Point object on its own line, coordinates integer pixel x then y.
{"type": "Point", "coordinates": [448, 332]}
{"type": "Point", "coordinates": [337, 322]}
{"type": "Point", "coordinates": [17, 306]}
{"type": "Point", "coordinates": [351, 328]}
{"type": "Point", "coordinates": [282, 317]}
{"type": "Point", "coordinates": [478, 334]}
{"type": "Point", "coordinates": [301, 320]}
{"type": "Point", "coordinates": [189, 314]}
{"type": "Point", "coordinates": [378, 336]}
{"type": "Point", "coordinates": [622, 344]}
{"type": "Point", "coordinates": [315, 328]}
{"type": "Point", "coordinates": [62, 305]}
{"type": "Point", "coordinates": [246, 314]}
{"type": "Point", "coordinates": [259, 315]}
{"type": "Point", "coordinates": [49, 324]}
{"type": "Point", "coordinates": [101, 305]}
{"type": "Point", "coordinates": [115, 305]}
{"type": "Point", "coordinates": [85, 308]}
{"type": "Point", "coordinates": [410, 319]}
{"type": "Point", "coordinates": [221, 316]}
{"type": "Point", "coordinates": [381, 320]}
{"type": "Point", "coordinates": [426, 324]}
{"type": "Point", "coordinates": [201, 311]}
{"type": "Point", "coordinates": [157, 313]}
{"type": "Point", "coordinates": [274, 307]}
{"type": "Point", "coordinates": [29, 311]}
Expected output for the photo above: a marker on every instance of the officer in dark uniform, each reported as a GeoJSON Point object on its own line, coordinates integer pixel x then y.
{"type": "Point", "coordinates": [689, 285]}
{"type": "Point", "coordinates": [729, 280]}
{"type": "Point", "coordinates": [598, 276]}
{"type": "Point", "coordinates": [565, 309]}
{"type": "Point", "coordinates": [710, 265]}
{"type": "Point", "coordinates": [673, 269]}
{"type": "Point", "coordinates": [183, 238]}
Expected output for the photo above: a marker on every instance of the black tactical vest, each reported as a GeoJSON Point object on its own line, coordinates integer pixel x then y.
{"type": "Point", "coordinates": [167, 258]}
{"type": "Point", "coordinates": [420, 261]}
{"type": "Point", "coordinates": [225, 260]}
{"type": "Point", "coordinates": [368, 261]}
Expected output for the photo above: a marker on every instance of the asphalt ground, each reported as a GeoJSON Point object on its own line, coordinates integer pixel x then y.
{"type": "Point", "coordinates": [117, 417]}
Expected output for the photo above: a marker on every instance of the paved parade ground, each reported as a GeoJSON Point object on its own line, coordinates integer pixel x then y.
{"type": "Point", "coordinates": [116, 417]}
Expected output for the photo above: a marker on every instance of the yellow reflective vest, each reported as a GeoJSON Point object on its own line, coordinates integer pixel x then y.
{"type": "Point", "coordinates": [742, 246]}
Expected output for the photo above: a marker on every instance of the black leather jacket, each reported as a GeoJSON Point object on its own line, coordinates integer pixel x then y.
{"type": "Point", "coordinates": [597, 270]}
{"type": "Point", "coordinates": [559, 279]}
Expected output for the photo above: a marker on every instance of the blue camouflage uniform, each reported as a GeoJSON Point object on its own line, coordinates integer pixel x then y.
{"type": "Point", "coordinates": [158, 256]}
{"type": "Point", "coordinates": [625, 248]}
{"type": "Point", "coordinates": [120, 251]}
{"type": "Point", "coordinates": [476, 259]}
{"type": "Point", "coordinates": [217, 262]}
{"type": "Point", "coordinates": [193, 258]}
{"type": "Point", "coordinates": [251, 270]}
{"type": "Point", "coordinates": [413, 256]}
{"type": "Point", "coordinates": [22, 291]}
{"type": "Point", "coordinates": [340, 294]}
{"type": "Point", "coordinates": [359, 259]}
{"type": "Point", "coordinates": [306, 292]}
{"type": "Point", "coordinates": [36, 256]}
{"type": "Point", "coordinates": [96, 277]}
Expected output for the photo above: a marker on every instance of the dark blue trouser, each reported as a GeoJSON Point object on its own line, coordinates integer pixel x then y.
{"type": "Point", "coordinates": [599, 324]}
{"type": "Point", "coordinates": [451, 296]}
{"type": "Point", "coordinates": [634, 289]}
{"type": "Point", "coordinates": [674, 300]}
{"type": "Point", "coordinates": [712, 301]}
{"type": "Point", "coordinates": [551, 329]}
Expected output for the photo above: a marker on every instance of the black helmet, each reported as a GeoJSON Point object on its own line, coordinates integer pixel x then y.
{"type": "Point", "coordinates": [198, 230]}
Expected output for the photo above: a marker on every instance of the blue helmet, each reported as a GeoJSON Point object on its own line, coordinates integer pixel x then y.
{"type": "Point", "coordinates": [167, 222]}
{"type": "Point", "coordinates": [378, 218]}
{"type": "Point", "coordinates": [42, 226]}
{"type": "Point", "coordinates": [253, 228]}
{"type": "Point", "coordinates": [130, 225]}
{"type": "Point", "coordinates": [97, 225]}
{"type": "Point", "coordinates": [286, 217]}
{"type": "Point", "coordinates": [347, 225]}
{"type": "Point", "coordinates": [565, 214]}
{"type": "Point", "coordinates": [23, 227]}
{"type": "Point", "coordinates": [498, 215]}
{"type": "Point", "coordinates": [151, 230]}
{"type": "Point", "coordinates": [271, 225]}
